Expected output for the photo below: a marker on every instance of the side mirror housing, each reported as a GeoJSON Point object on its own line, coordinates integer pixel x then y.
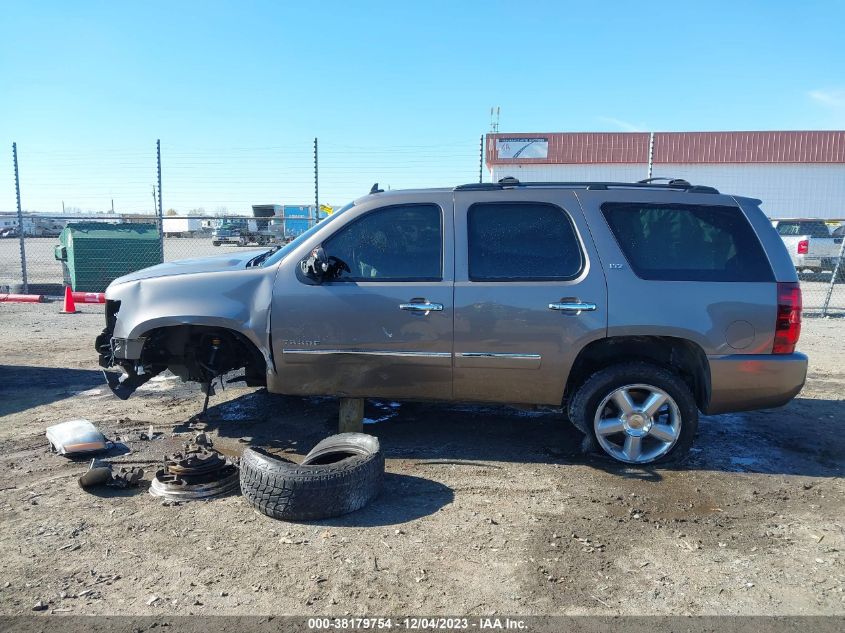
{"type": "Point", "coordinates": [316, 265]}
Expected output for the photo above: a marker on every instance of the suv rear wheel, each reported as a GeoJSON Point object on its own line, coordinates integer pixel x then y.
{"type": "Point", "coordinates": [637, 413]}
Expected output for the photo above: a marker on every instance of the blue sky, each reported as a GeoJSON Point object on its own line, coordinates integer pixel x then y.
{"type": "Point", "coordinates": [397, 92]}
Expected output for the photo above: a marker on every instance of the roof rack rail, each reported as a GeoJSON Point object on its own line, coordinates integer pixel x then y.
{"type": "Point", "coordinates": [509, 182]}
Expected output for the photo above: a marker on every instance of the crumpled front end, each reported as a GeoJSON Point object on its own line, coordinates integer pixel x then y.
{"type": "Point", "coordinates": [199, 325]}
{"type": "Point", "coordinates": [123, 353]}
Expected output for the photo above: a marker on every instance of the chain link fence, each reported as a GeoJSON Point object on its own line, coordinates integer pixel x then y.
{"type": "Point", "coordinates": [227, 200]}
{"type": "Point", "coordinates": [86, 252]}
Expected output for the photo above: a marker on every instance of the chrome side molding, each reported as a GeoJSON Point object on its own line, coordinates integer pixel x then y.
{"type": "Point", "coordinates": [352, 352]}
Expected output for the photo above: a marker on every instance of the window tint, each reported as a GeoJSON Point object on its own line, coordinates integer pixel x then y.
{"type": "Point", "coordinates": [400, 243]}
{"type": "Point", "coordinates": [688, 242]}
{"type": "Point", "coordinates": [521, 240]}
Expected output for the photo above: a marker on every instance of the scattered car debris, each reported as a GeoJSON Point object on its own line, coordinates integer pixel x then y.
{"type": "Point", "coordinates": [127, 477]}
{"type": "Point", "coordinates": [196, 472]}
{"type": "Point", "coordinates": [76, 437]}
{"type": "Point", "coordinates": [341, 474]}
{"type": "Point", "coordinates": [96, 475]}
{"type": "Point", "coordinates": [149, 434]}
{"type": "Point", "coordinates": [101, 474]}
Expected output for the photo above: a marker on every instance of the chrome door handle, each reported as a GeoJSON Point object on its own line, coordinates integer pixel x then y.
{"type": "Point", "coordinates": [422, 307]}
{"type": "Point", "coordinates": [575, 306]}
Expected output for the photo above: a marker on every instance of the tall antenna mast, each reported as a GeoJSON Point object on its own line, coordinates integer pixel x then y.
{"type": "Point", "coordinates": [494, 119]}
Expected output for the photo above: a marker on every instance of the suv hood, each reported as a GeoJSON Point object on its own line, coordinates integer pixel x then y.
{"type": "Point", "coordinates": [213, 264]}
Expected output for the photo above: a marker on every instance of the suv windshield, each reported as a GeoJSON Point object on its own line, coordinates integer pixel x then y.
{"type": "Point", "coordinates": [280, 254]}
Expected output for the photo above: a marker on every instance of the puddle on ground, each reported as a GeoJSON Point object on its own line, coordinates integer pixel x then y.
{"type": "Point", "coordinates": [388, 411]}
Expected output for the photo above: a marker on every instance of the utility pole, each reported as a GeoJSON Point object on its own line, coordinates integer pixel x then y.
{"type": "Point", "coordinates": [20, 219]}
{"type": "Point", "coordinates": [316, 184]}
{"type": "Point", "coordinates": [160, 206]}
{"type": "Point", "coordinates": [112, 205]}
{"type": "Point", "coordinates": [63, 207]}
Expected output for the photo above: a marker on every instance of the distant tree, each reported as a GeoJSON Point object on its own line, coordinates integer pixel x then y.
{"type": "Point", "coordinates": [197, 211]}
{"type": "Point", "coordinates": [171, 212]}
{"type": "Point", "coordinates": [221, 211]}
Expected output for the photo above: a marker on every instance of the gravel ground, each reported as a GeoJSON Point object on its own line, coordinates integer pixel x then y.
{"type": "Point", "coordinates": [483, 510]}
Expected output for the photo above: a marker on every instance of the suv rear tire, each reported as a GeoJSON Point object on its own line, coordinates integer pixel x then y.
{"type": "Point", "coordinates": [637, 413]}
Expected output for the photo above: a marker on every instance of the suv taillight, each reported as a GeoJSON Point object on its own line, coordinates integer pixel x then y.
{"type": "Point", "coordinates": [803, 247]}
{"type": "Point", "coordinates": [788, 323]}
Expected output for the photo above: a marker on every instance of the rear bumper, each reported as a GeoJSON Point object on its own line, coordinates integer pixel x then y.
{"type": "Point", "coordinates": [742, 382]}
{"type": "Point", "coordinates": [807, 261]}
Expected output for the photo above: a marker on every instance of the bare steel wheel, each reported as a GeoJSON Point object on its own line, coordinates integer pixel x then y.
{"type": "Point", "coordinates": [637, 423]}
{"type": "Point", "coordinates": [636, 412]}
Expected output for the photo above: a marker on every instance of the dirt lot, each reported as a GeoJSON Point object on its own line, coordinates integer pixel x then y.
{"type": "Point", "coordinates": [483, 510]}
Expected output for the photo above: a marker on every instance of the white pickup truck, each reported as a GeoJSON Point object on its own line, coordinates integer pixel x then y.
{"type": "Point", "coordinates": [810, 244]}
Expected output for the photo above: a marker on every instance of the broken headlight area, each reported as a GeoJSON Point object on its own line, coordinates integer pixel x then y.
{"type": "Point", "coordinates": [133, 376]}
{"type": "Point", "coordinates": [103, 343]}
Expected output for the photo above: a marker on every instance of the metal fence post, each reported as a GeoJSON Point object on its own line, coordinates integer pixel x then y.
{"type": "Point", "coordinates": [650, 153]}
{"type": "Point", "coordinates": [20, 219]}
{"type": "Point", "coordinates": [481, 160]}
{"type": "Point", "coordinates": [316, 186]}
{"type": "Point", "coordinates": [833, 277]}
{"type": "Point", "coordinates": [160, 207]}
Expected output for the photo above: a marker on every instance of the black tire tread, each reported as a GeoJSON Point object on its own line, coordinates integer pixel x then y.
{"type": "Point", "coordinates": [285, 490]}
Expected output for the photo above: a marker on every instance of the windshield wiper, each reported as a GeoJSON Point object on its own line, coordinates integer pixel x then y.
{"type": "Point", "coordinates": [256, 261]}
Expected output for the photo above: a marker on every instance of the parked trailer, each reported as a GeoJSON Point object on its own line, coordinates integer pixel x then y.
{"type": "Point", "coordinates": [181, 227]}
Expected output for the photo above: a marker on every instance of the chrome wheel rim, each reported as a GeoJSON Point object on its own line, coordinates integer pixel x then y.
{"type": "Point", "coordinates": [637, 424]}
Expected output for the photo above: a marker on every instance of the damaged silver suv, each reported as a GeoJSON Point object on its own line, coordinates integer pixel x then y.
{"type": "Point", "coordinates": [635, 306]}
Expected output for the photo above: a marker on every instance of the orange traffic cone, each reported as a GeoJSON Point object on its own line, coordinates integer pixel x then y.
{"type": "Point", "coordinates": [70, 306]}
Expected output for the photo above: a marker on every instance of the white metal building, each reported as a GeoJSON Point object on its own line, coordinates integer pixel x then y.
{"type": "Point", "coordinates": [795, 174]}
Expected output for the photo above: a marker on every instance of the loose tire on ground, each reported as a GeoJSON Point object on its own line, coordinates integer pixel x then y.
{"type": "Point", "coordinates": [340, 483]}
{"type": "Point", "coordinates": [593, 392]}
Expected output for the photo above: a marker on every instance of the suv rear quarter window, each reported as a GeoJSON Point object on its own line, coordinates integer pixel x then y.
{"type": "Point", "coordinates": [677, 242]}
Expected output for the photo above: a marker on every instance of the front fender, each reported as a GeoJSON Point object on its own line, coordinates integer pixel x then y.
{"type": "Point", "coordinates": [237, 300]}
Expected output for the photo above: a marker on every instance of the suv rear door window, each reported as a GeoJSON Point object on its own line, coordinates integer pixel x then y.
{"type": "Point", "coordinates": [399, 243]}
{"type": "Point", "coordinates": [517, 241]}
{"type": "Point", "coordinates": [674, 242]}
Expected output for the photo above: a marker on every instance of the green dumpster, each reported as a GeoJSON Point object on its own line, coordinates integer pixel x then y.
{"type": "Point", "coordinates": [93, 254]}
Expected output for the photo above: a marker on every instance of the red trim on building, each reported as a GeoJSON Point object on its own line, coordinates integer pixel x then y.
{"type": "Point", "coordinates": [578, 148]}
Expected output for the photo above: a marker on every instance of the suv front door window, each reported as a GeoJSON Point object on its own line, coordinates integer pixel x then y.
{"type": "Point", "coordinates": [399, 243]}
